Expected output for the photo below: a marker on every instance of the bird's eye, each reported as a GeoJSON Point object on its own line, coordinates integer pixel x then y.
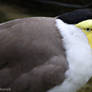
{"type": "Point", "coordinates": [88, 29]}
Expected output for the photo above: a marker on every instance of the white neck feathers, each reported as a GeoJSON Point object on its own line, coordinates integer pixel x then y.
{"type": "Point", "coordinates": [79, 57]}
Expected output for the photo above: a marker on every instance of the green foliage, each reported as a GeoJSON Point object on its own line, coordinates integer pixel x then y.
{"type": "Point", "coordinates": [87, 87]}
{"type": "Point", "coordinates": [3, 17]}
{"type": "Point", "coordinates": [9, 12]}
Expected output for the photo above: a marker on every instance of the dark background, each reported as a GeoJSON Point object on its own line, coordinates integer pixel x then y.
{"type": "Point", "coordinates": [11, 9]}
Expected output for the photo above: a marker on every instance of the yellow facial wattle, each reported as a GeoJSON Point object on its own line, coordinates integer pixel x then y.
{"type": "Point", "coordinates": [86, 27]}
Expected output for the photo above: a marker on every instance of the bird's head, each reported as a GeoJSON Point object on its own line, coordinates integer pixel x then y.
{"type": "Point", "coordinates": [86, 27]}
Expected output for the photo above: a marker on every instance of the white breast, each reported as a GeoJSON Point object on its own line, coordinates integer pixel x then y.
{"type": "Point", "coordinates": [79, 57]}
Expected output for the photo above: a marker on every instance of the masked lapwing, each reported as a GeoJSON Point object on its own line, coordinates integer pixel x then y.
{"type": "Point", "coordinates": [43, 54]}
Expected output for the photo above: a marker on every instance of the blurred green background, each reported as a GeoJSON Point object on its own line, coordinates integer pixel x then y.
{"type": "Point", "coordinates": [12, 9]}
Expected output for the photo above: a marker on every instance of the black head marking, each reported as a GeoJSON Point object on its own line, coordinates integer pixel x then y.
{"type": "Point", "coordinates": [76, 16]}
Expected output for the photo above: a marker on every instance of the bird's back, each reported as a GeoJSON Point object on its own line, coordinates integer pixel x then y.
{"type": "Point", "coordinates": [26, 44]}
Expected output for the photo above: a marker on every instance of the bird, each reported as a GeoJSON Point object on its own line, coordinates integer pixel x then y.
{"type": "Point", "coordinates": [45, 54]}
